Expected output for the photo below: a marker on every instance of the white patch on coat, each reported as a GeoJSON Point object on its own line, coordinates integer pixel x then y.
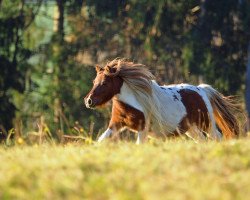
{"type": "Point", "coordinates": [171, 106]}
{"type": "Point", "coordinates": [126, 96]}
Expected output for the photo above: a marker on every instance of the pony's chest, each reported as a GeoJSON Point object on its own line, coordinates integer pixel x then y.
{"type": "Point", "coordinates": [128, 116]}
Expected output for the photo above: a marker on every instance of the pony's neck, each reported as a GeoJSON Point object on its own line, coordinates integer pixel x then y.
{"type": "Point", "coordinates": [127, 96]}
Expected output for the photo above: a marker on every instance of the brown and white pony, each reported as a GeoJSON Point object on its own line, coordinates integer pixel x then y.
{"type": "Point", "coordinates": [172, 109]}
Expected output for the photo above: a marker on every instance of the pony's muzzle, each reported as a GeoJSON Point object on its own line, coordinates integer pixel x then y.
{"type": "Point", "coordinates": [88, 102]}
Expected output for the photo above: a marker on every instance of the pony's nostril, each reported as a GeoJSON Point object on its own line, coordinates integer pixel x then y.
{"type": "Point", "coordinates": [89, 102]}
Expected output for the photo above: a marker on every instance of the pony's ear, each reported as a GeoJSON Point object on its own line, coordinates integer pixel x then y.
{"type": "Point", "coordinates": [110, 70]}
{"type": "Point", "coordinates": [98, 68]}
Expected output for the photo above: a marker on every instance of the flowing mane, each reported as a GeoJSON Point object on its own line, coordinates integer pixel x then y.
{"type": "Point", "coordinates": [146, 90]}
{"type": "Point", "coordinates": [136, 75]}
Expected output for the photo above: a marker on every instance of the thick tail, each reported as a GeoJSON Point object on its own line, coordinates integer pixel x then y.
{"type": "Point", "coordinates": [225, 112]}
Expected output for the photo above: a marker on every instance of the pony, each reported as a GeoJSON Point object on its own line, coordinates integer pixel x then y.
{"type": "Point", "coordinates": [172, 110]}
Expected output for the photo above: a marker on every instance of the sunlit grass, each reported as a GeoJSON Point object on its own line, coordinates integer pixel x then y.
{"type": "Point", "coordinates": [123, 170]}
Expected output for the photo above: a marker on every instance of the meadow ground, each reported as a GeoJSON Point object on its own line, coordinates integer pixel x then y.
{"type": "Point", "coordinates": [155, 170]}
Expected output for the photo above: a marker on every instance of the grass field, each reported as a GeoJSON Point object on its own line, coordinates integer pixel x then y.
{"type": "Point", "coordinates": [156, 170]}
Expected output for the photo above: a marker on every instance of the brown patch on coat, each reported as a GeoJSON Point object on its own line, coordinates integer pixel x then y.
{"type": "Point", "coordinates": [124, 115]}
{"type": "Point", "coordinates": [197, 112]}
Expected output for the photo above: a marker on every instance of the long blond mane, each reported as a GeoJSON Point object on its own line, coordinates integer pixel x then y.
{"type": "Point", "coordinates": [136, 75]}
{"type": "Point", "coordinates": [146, 91]}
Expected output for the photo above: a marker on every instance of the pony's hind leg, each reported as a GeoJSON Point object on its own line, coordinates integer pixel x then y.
{"type": "Point", "coordinates": [214, 133]}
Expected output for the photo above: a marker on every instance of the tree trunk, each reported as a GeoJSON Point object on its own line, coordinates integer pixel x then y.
{"type": "Point", "coordinates": [59, 68]}
{"type": "Point", "coordinates": [248, 81]}
{"type": "Point", "coordinates": [60, 25]}
{"type": "Point", "coordinates": [248, 89]}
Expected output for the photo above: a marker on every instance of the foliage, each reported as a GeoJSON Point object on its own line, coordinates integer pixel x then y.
{"type": "Point", "coordinates": [223, 30]}
{"type": "Point", "coordinates": [14, 19]}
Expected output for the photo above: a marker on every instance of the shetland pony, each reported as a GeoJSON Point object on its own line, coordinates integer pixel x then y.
{"type": "Point", "coordinates": [172, 109]}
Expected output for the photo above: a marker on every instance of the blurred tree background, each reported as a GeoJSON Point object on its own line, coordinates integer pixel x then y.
{"type": "Point", "coordinates": [48, 49]}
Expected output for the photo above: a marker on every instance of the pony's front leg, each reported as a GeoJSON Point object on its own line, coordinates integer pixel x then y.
{"type": "Point", "coordinates": [139, 138]}
{"type": "Point", "coordinates": [104, 135]}
{"type": "Point", "coordinates": [112, 128]}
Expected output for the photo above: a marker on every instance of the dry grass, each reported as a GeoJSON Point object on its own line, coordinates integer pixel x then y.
{"type": "Point", "coordinates": [155, 170]}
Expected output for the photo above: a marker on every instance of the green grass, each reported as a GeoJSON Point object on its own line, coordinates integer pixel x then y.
{"type": "Point", "coordinates": [157, 170]}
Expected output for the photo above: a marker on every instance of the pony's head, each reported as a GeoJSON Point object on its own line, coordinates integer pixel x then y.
{"type": "Point", "coordinates": [109, 80]}
{"type": "Point", "coordinates": [106, 84]}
